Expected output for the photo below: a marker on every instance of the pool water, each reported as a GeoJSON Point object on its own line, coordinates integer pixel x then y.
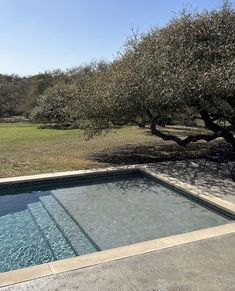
{"type": "Point", "coordinates": [56, 223]}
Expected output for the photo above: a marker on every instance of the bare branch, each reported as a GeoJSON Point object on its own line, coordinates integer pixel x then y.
{"type": "Point", "coordinates": [185, 141]}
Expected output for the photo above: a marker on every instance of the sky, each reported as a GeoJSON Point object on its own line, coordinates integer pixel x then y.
{"type": "Point", "coordinates": [39, 35]}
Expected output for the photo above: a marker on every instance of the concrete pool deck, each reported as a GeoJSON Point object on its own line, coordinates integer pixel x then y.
{"type": "Point", "coordinates": [191, 174]}
{"type": "Point", "coordinates": [180, 244]}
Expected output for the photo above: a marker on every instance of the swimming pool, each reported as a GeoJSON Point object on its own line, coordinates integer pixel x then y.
{"type": "Point", "coordinates": [44, 221]}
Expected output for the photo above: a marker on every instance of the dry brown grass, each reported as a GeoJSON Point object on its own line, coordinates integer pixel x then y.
{"type": "Point", "coordinates": [28, 149]}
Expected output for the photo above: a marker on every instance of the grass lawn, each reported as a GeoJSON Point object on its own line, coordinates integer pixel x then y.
{"type": "Point", "coordinates": [28, 149]}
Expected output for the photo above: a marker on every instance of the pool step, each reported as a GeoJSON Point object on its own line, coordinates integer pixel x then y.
{"type": "Point", "coordinates": [59, 245]}
{"type": "Point", "coordinates": [70, 228]}
{"type": "Point", "coordinates": [21, 242]}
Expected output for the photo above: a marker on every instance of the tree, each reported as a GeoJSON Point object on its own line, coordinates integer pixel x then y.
{"type": "Point", "coordinates": [38, 85]}
{"type": "Point", "coordinates": [58, 106]}
{"type": "Point", "coordinates": [197, 56]}
{"type": "Point", "coordinates": [186, 67]}
{"type": "Point", "coordinates": [13, 90]}
{"type": "Point", "coordinates": [63, 102]}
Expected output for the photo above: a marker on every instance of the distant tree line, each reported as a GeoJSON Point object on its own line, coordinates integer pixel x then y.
{"type": "Point", "coordinates": [184, 70]}
{"type": "Point", "coordinates": [12, 94]}
{"type": "Point", "coordinates": [18, 95]}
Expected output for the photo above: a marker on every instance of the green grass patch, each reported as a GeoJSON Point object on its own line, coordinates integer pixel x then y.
{"type": "Point", "coordinates": [29, 149]}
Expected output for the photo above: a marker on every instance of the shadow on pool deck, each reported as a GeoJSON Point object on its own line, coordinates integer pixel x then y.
{"type": "Point", "coordinates": [192, 172]}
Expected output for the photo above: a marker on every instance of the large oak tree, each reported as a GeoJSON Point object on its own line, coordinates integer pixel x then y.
{"type": "Point", "coordinates": [186, 67]}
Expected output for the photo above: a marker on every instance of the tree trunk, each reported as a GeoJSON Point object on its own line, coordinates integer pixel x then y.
{"type": "Point", "coordinates": [219, 131]}
{"type": "Point", "coordinates": [225, 133]}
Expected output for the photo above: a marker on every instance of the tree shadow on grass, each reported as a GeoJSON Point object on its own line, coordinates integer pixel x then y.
{"type": "Point", "coordinates": [150, 153]}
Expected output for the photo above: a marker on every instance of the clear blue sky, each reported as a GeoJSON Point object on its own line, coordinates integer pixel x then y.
{"type": "Point", "coordinates": [39, 35]}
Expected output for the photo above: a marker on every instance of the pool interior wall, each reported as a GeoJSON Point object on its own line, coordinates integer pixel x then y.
{"type": "Point", "coordinates": [56, 219]}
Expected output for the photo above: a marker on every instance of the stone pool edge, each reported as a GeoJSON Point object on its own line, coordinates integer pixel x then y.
{"type": "Point", "coordinates": [79, 262]}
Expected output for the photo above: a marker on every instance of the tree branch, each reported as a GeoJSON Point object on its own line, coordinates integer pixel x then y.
{"type": "Point", "coordinates": [185, 141]}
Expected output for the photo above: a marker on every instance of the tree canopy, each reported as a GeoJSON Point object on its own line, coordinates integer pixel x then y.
{"type": "Point", "coordinates": [185, 68]}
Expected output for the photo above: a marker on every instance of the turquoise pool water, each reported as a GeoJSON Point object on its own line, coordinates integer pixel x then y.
{"type": "Point", "coordinates": [51, 224]}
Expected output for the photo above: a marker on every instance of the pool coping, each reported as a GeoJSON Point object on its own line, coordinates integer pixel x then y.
{"type": "Point", "coordinates": [79, 262]}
